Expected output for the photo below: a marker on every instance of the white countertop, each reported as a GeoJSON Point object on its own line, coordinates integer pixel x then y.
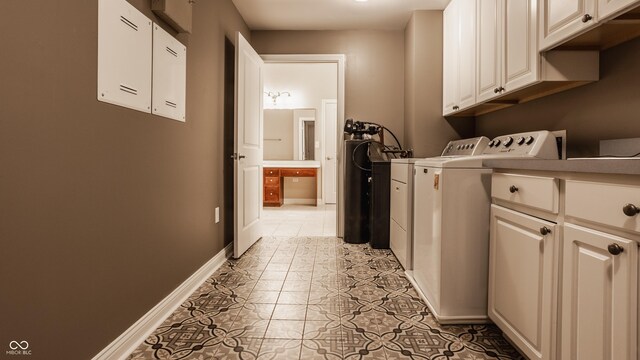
{"type": "Point", "coordinates": [291, 163]}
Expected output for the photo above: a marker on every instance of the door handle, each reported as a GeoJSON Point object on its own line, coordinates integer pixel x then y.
{"type": "Point", "coordinates": [241, 156]}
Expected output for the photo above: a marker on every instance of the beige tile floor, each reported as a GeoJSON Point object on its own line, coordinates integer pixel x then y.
{"type": "Point", "coordinates": [299, 220]}
{"type": "Point", "coordinates": [314, 298]}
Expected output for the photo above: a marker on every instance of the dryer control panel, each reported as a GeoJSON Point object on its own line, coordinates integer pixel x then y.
{"type": "Point", "coordinates": [535, 144]}
{"type": "Point", "coordinates": [466, 147]}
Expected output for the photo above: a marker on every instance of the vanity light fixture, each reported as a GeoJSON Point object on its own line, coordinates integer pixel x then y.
{"type": "Point", "coordinates": [275, 94]}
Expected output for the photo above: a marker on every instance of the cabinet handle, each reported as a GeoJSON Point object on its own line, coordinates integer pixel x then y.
{"type": "Point", "coordinates": [545, 230]}
{"type": "Point", "coordinates": [425, 170]}
{"type": "Point", "coordinates": [502, 89]}
{"type": "Point", "coordinates": [587, 18]}
{"type": "Point", "coordinates": [496, 90]}
{"type": "Point", "coordinates": [456, 107]}
{"type": "Point", "coordinates": [513, 189]}
{"type": "Point", "coordinates": [615, 249]}
{"type": "Point", "coordinates": [270, 193]}
{"type": "Point", "coordinates": [630, 210]}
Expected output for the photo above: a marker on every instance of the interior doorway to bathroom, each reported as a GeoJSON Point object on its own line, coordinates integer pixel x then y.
{"type": "Point", "coordinates": [303, 113]}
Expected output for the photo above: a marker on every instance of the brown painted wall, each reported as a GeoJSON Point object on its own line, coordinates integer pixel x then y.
{"type": "Point", "coordinates": [607, 109]}
{"type": "Point", "coordinates": [374, 84]}
{"type": "Point", "coordinates": [425, 130]}
{"type": "Point", "coordinates": [103, 210]}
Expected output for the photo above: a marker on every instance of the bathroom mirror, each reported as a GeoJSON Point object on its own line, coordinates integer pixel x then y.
{"type": "Point", "coordinates": [290, 134]}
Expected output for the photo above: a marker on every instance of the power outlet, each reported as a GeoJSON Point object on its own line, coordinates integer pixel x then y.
{"type": "Point", "coordinates": [217, 215]}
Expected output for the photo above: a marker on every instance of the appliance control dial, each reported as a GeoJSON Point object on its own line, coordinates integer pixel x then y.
{"type": "Point", "coordinates": [529, 140]}
{"type": "Point", "coordinates": [496, 142]}
{"type": "Point", "coordinates": [520, 140]}
{"type": "Point", "coordinates": [508, 141]}
{"type": "Point", "coordinates": [491, 143]}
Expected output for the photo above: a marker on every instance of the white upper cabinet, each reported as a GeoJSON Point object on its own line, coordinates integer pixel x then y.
{"type": "Point", "coordinates": [459, 55]}
{"type": "Point", "coordinates": [490, 44]}
{"type": "Point", "coordinates": [508, 57]}
{"type": "Point", "coordinates": [451, 31]}
{"type": "Point", "coordinates": [562, 20]}
{"type": "Point", "coordinates": [467, 55]}
{"type": "Point", "coordinates": [607, 8]}
{"type": "Point", "coordinates": [522, 59]}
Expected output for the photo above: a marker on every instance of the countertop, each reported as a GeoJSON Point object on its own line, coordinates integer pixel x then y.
{"type": "Point", "coordinates": [291, 164]}
{"type": "Point", "coordinates": [628, 166]}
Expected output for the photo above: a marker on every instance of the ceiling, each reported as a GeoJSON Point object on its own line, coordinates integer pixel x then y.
{"type": "Point", "coordinates": [331, 14]}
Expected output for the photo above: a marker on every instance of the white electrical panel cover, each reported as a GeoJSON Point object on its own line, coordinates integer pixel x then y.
{"type": "Point", "coordinates": [169, 75]}
{"type": "Point", "coordinates": [124, 55]}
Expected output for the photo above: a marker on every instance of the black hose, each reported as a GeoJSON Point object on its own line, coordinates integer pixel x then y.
{"type": "Point", "coordinates": [389, 131]}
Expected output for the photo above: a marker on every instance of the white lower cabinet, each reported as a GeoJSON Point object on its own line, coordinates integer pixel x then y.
{"type": "Point", "coordinates": [599, 295]}
{"type": "Point", "coordinates": [566, 288]}
{"type": "Point", "coordinates": [521, 279]}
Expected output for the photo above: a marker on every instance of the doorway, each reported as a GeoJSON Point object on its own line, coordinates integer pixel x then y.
{"type": "Point", "coordinates": [317, 119]}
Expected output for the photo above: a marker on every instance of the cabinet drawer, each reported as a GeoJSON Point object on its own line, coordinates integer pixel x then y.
{"type": "Point", "coordinates": [271, 194]}
{"type": "Point", "coordinates": [271, 172]}
{"type": "Point", "coordinates": [271, 181]}
{"type": "Point", "coordinates": [298, 172]}
{"type": "Point", "coordinates": [399, 203]}
{"type": "Point", "coordinates": [533, 191]}
{"type": "Point", "coordinates": [400, 172]}
{"type": "Point", "coordinates": [398, 243]}
{"type": "Point", "coordinates": [603, 203]}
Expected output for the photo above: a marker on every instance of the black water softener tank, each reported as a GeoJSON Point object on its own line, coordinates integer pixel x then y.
{"type": "Point", "coordinates": [356, 194]}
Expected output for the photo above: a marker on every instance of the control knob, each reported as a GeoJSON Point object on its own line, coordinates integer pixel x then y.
{"type": "Point", "coordinates": [529, 140]}
{"type": "Point", "coordinates": [508, 141]}
{"type": "Point", "coordinates": [497, 142]}
{"type": "Point", "coordinates": [520, 140]}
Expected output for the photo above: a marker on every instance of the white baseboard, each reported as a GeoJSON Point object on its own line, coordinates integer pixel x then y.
{"type": "Point", "coordinates": [299, 201]}
{"type": "Point", "coordinates": [128, 341]}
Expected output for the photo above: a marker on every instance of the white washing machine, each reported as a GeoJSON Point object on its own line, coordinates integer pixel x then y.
{"type": "Point", "coordinates": [401, 196]}
{"type": "Point", "coordinates": [452, 199]}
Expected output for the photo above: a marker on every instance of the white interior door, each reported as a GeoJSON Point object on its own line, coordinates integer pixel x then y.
{"type": "Point", "coordinates": [248, 147]}
{"type": "Point", "coordinates": [329, 179]}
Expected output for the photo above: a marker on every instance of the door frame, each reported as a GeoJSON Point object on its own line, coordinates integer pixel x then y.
{"type": "Point", "coordinates": [340, 60]}
{"type": "Point", "coordinates": [323, 160]}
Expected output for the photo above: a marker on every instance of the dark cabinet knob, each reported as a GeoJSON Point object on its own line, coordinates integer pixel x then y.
{"type": "Point", "coordinates": [456, 107]}
{"type": "Point", "coordinates": [513, 189]}
{"type": "Point", "coordinates": [630, 210]}
{"type": "Point", "coordinates": [587, 18]}
{"type": "Point", "coordinates": [501, 89]}
{"type": "Point", "coordinates": [615, 249]}
{"type": "Point", "coordinates": [545, 230]}
{"type": "Point", "coordinates": [496, 90]}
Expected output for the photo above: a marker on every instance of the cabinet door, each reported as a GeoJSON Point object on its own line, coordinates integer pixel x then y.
{"type": "Point", "coordinates": [563, 19]}
{"type": "Point", "coordinates": [522, 59]}
{"type": "Point", "coordinates": [451, 31]}
{"type": "Point", "coordinates": [611, 7]}
{"type": "Point", "coordinates": [521, 278]}
{"type": "Point", "coordinates": [467, 53]}
{"type": "Point", "coordinates": [489, 38]}
{"type": "Point", "coordinates": [599, 299]}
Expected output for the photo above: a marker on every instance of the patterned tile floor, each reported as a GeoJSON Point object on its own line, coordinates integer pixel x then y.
{"type": "Point", "coordinates": [314, 298]}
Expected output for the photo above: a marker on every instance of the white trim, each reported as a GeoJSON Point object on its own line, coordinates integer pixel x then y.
{"type": "Point", "coordinates": [129, 340]}
{"type": "Point", "coordinates": [341, 61]}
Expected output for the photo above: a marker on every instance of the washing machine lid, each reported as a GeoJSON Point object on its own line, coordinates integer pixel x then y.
{"type": "Point", "coordinates": [459, 162]}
